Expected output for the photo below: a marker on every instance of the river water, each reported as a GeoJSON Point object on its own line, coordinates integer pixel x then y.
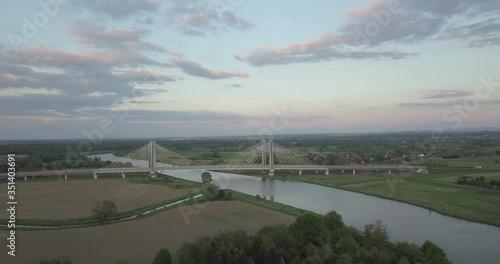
{"type": "Point", "coordinates": [464, 241]}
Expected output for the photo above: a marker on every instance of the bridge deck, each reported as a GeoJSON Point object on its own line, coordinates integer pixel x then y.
{"type": "Point", "coordinates": [380, 167]}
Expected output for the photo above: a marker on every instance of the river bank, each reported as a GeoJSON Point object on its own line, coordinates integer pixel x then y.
{"type": "Point", "coordinates": [435, 191]}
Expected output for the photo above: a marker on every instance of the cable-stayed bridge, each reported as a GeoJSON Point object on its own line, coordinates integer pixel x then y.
{"type": "Point", "coordinates": [265, 155]}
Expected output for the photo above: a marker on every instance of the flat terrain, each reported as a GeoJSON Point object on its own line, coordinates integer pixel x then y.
{"type": "Point", "coordinates": [436, 190]}
{"type": "Point", "coordinates": [139, 241]}
{"type": "Point", "coordinates": [74, 198]}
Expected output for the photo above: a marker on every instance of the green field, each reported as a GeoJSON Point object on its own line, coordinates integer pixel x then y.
{"type": "Point", "coordinates": [486, 162]}
{"type": "Point", "coordinates": [436, 191]}
{"type": "Point", "coordinates": [169, 181]}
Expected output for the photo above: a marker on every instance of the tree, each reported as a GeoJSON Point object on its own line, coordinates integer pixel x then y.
{"type": "Point", "coordinates": [344, 259]}
{"type": "Point", "coordinates": [333, 221]}
{"type": "Point", "coordinates": [102, 211]}
{"type": "Point", "coordinates": [281, 236]}
{"type": "Point", "coordinates": [211, 191]}
{"type": "Point", "coordinates": [375, 235]}
{"type": "Point", "coordinates": [409, 251]}
{"type": "Point", "coordinates": [163, 257]}
{"type": "Point", "coordinates": [403, 260]}
{"type": "Point", "coordinates": [309, 229]}
{"type": "Point", "coordinates": [434, 254]}
{"type": "Point", "coordinates": [206, 177]}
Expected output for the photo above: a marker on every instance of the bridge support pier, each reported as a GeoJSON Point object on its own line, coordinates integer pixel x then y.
{"type": "Point", "coordinates": [33, 176]}
{"type": "Point", "coordinates": [271, 172]}
{"type": "Point", "coordinates": [342, 171]}
{"type": "Point", "coordinates": [390, 171]}
{"type": "Point", "coordinates": [123, 175]}
{"type": "Point", "coordinates": [25, 178]}
{"type": "Point", "coordinates": [65, 176]}
{"type": "Point", "coordinates": [152, 174]}
{"type": "Point", "coordinates": [300, 172]}
{"type": "Point", "coordinates": [327, 172]}
{"type": "Point", "coordinates": [95, 175]}
{"type": "Point", "coordinates": [353, 171]}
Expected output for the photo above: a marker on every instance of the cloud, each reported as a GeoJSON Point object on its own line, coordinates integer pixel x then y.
{"type": "Point", "coordinates": [447, 103]}
{"type": "Point", "coordinates": [58, 58]}
{"type": "Point", "coordinates": [64, 83]}
{"type": "Point", "coordinates": [197, 17]}
{"type": "Point", "coordinates": [194, 116]}
{"type": "Point", "coordinates": [144, 76]}
{"type": "Point", "coordinates": [325, 48]}
{"type": "Point", "coordinates": [195, 69]}
{"type": "Point", "coordinates": [478, 34]}
{"type": "Point", "coordinates": [418, 20]}
{"type": "Point", "coordinates": [375, 24]}
{"type": "Point", "coordinates": [118, 9]}
{"type": "Point", "coordinates": [445, 94]}
{"type": "Point", "coordinates": [125, 39]}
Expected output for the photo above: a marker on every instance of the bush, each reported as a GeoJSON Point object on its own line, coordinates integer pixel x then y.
{"type": "Point", "coordinates": [206, 177]}
{"type": "Point", "coordinates": [163, 257]}
{"type": "Point", "coordinates": [102, 211]}
{"type": "Point", "coordinates": [211, 191]}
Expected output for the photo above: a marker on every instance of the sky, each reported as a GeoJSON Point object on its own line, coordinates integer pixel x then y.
{"type": "Point", "coordinates": [185, 68]}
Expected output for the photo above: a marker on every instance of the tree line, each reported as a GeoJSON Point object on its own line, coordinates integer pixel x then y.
{"type": "Point", "coordinates": [311, 239]}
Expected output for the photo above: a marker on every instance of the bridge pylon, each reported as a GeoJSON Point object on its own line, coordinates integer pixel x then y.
{"type": "Point", "coordinates": [152, 159]}
{"type": "Point", "coordinates": [271, 158]}
{"type": "Point", "coordinates": [263, 152]}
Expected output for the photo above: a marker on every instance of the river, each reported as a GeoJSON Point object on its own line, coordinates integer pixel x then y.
{"type": "Point", "coordinates": [464, 241]}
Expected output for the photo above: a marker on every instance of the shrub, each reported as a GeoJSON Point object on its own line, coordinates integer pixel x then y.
{"type": "Point", "coordinates": [102, 211]}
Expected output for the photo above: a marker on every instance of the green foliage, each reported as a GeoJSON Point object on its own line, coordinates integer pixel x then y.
{"type": "Point", "coordinates": [281, 235]}
{"type": "Point", "coordinates": [211, 191]}
{"type": "Point", "coordinates": [434, 254]}
{"type": "Point", "coordinates": [279, 244]}
{"type": "Point", "coordinates": [411, 252]}
{"type": "Point", "coordinates": [375, 235]}
{"type": "Point", "coordinates": [163, 257]}
{"type": "Point", "coordinates": [102, 211]}
{"type": "Point", "coordinates": [403, 260]}
{"type": "Point", "coordinates": [477, 181]}
{"type": "Point", "coordinates": [333, 221]}
{"type": "Point", "coordinates": [309, 229]}
{"type": "Point", "coordinates": [206, 177]}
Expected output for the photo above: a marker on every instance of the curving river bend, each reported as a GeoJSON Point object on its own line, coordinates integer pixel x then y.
{"type": "Point", "coordinates": [464, 241]}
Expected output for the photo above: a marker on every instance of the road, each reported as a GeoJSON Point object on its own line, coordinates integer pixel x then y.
{"type": "Point", "coordinates": [63, 172]}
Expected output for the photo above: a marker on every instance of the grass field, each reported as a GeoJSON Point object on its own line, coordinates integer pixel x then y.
{"type": "Point", "coordinates": [436, 190]}
{"type": "Point", "coordinates": [139, 241]}
{"type": "Point", "coordinates": [169, 181]}
{"type": "Point", "coordinates": [486, 162]}
{"type": "Point", "coordinates": [74, 198]}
